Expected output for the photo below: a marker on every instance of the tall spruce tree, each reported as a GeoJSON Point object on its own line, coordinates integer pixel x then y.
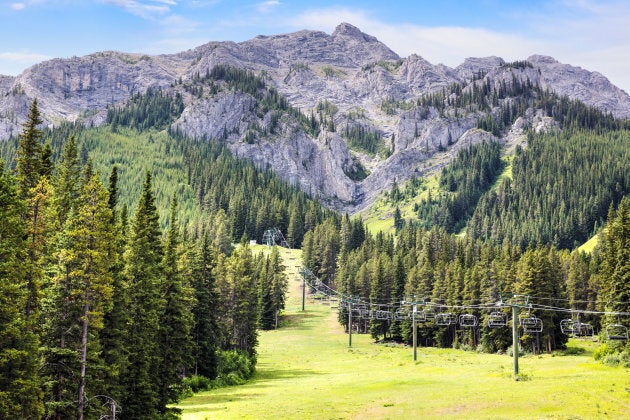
{"type": "Point", "coordinates": [117, 318]}
{"type": "Point", "coordinates": [67, 183]}
{"type": "Point", "coordinates": [244, 300]}
{"type": "Point", "coordinates": [206, 332]}
{"type": "Point", "coordinates": [279, 283]}
{"type": "Point", "coordinates": [29, 152]}
{"type": "Point", "coordinates": [144, 276]}
{"type": "Point", "coordinates": [176, 320]}
{"type": "Point", "coordinates": [20, 388]}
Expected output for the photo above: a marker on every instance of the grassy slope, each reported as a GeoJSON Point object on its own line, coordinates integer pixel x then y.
{"type": "Point", "coordinates": [306, 370]}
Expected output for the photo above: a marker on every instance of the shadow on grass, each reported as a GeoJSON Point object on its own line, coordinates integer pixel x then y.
{"type": "Point", "coordinates": [299, 321]}
{"type": "Point", "coordinates": [269, 374]}
{"type": "Point", "coordinates": [219, 399]}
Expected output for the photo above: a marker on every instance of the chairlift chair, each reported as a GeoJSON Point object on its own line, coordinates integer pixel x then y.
{"type": "Point", "coordinates": [617, 332]}
{"type": "Point", "coordinates": [532, 324]}
{"type": "Point", "coordinates": [468, 321]}
{"type": "Point", "coordinates": [401, 314]}
{"type": "Point", "coordinates": [419, 316]}
{"type": "Point", "coordinates": [497, 319]}
{"type": "Point", "coordinates": [445, 318]}
{"type": "Point", "coordinates": [583, 329]}
{"type": "Point", "coordinates": [382, 315]}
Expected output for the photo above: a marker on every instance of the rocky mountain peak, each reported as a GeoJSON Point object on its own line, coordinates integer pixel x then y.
{"type": "Point", "coordinates": [347, 30]}
{"type": "Point", "coordinates": [542, 59]}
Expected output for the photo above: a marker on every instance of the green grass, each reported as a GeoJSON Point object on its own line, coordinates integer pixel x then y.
{"type": "Point", "coordinates": [589, 245]}
{"type": "Point", "coordinates": [379, 217]}
{"type": "Point", "coordinates": [306, 371]}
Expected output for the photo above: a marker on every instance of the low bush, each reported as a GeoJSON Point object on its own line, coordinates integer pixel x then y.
{"type": "Point", "coordinates": [235, 368]}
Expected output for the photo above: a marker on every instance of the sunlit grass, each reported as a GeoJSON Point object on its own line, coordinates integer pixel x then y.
{"type": "Point", "coordinates": [307, 371]}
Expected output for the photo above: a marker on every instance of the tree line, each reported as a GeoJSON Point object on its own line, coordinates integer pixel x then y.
{"type": "Point", "coordinates": [443, 269]}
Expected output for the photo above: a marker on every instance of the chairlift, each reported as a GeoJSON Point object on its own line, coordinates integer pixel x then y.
{"type": "Point", "coordinates": [445, 318]}
{"type": "Point", "coordinates": [497, 319]}
{"type": "Point", "coordinates": [617, 332]}
{"type": "Point", "coordinates": [583, 329]}
{"type": "Point", "coordinates": [419, 316]}
{"type": "Point", "coordinates": [468, 321]}
{"type": "Point", "coordinates": [382, 315]}
{"type": "Point", "coordinates": [532, 324]}
{"type": "Point", "coordinates": [401, 314]}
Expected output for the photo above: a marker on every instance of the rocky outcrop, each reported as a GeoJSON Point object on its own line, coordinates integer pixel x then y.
{"type": "Point", "coordinates": [366, 83]}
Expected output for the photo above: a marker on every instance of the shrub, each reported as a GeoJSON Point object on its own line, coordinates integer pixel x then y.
{"type": "Point", "coordinates": [235, 367]}
{"type": "Point", "coordinates": [198, 383]}
{"type": "Point", "coordinates": [602, 351]}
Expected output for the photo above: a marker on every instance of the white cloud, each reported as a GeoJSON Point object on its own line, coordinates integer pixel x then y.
{"type": "Point", "coordinates": [13, 63]}
{"type": "Point", "coordinates": [23, 57]}
{"type": "Point", "coordinates": [267, 6]}
{"type": "Point", "coordinates": [176, 24]}
{"type": "Point", "coordinates": [145, 10]}
{"type": "Point", "coordinates": [18, 6]}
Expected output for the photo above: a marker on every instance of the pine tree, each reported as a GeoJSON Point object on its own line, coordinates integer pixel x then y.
{"type": "Point", "coordinates": [117, 318]}
{"type": "Point", "coordinates": [20, 388]}
{"type": "Point", "coordinates": [78, 298]}
{"type": "Point", "coordinates": [176, 320]}
{"type": "Point", "coordinates": [244, 297]}
{"type": "Point", "coordinates": [144, 274]}
{"type": "Point", "coordinates": [279, 283]}
{"type": "Point", "coordinates": [67, 181]}
{"type": "Point", "coordinates": [91, 239]}
{"type": "Point", "coordinates": [265, 296]}
{"type": "Point", "coordinates": [206, 332]}
{"type": "Point", "coordinates": [29, 152]}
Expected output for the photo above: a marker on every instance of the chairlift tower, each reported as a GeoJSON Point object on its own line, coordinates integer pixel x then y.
{"type": "Point", "coordinates": [273, 237]}
{"type": "Point", "coordinates": [516, 302]}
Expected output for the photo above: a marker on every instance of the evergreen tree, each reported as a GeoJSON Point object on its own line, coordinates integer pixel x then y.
{"type": "Point", "coordinates": [176, 320]}
{"type": "Point", "coordinates": [244, 297]}
{"type": "Point", "coordinates": [20, 387]}
{"type": "Point", "coordinates": [279, 283]}
{"type": "Point", "coordinates": [67, 181]}
{"type": "Point", "coordinates": [144, 272]}
{"type": "Point", "coordinates": [206, 332]}
{"type": "Point", "coordinates": [29, 152]}
{"type": "Point", "coordinates": [77, 300]}
{"type": "Point", "coordinates": [117, 318]}
{"type": "Point", "coordinates": [265, 296]}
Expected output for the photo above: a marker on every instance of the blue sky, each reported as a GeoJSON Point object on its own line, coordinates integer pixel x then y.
{"type": "Point", "coordinates": [591, 34]}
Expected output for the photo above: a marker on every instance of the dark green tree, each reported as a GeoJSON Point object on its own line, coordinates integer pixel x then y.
{"type": "Point", "coordinates": [20, 386]}
{"type": "Point", "coordinates": [176, 320]}
{"type": "Point", "coordinates": [206, 333]}
{"type": "Point", "coordinates": [144, 273]}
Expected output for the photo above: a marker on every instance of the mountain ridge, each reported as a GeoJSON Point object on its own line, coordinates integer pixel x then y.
{"type": "Point", "coordinates": [365, 83]}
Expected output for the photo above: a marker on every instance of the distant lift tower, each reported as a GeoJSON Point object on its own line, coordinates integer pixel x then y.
{"type": "Point", "coordinates": [273, 237]}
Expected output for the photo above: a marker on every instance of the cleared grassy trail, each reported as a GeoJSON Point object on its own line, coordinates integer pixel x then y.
{"type": "Point", "coordinates": [307, 371]}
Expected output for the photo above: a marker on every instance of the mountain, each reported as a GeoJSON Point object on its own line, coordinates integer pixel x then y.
{"type": "Point", "coordinates": [356, 116]}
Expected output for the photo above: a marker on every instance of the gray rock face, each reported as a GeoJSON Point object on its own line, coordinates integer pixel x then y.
{"type": "Point", "coordinates": [592, 88]}
{"type": "Point", "coordinates": [367, 83]}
